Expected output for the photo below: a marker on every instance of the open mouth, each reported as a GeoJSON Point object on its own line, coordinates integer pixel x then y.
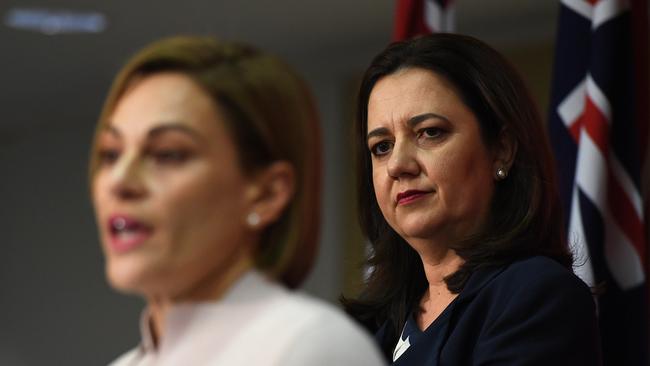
{"type": "Point", "coordinates": [127, 233]}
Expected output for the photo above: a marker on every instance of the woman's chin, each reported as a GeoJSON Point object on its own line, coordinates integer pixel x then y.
{"type": "Point", "coordinates": [128, 278]}
{"type": "Point", "coordinates": [417, 230]}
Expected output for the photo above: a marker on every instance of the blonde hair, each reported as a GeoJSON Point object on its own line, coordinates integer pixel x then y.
{"type": "Point", "coordinates": [271, 115]}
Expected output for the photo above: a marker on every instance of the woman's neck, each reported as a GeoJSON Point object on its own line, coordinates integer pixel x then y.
{"type": "Point", "coordinates": [437, 266]}
{"type": "Point", "coordinates": [209, 289]}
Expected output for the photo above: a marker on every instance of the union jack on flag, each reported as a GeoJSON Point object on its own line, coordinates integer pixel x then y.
{"type": "Point", "coordinates": [598, 127]}
{"type": "Point", "coordinates": [417, 17]}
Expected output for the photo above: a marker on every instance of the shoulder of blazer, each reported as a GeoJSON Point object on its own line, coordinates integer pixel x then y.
{"type": "Point", "coordinates": [532, 271]}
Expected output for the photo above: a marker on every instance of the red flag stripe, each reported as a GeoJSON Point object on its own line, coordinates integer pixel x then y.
{"type": "Point", "coordinates": [418, 17]}
{"type": "Point", "coordinates": [596, 126]}
{"type": "Point", "coordinates": [625, 215]}
{"type": "Point", "coordinates": [409, 19]}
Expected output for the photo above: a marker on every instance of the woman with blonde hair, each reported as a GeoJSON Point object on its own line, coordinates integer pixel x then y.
{"type": "Point", "coordinates": [205, 175]}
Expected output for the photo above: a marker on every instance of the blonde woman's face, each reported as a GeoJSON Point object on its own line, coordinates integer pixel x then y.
{"type": "Point", "coordinates": [169, 194]}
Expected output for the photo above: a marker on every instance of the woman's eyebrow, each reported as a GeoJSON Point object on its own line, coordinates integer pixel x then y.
{"type": "Point", "coordinates": [112, 130]}
{"type": "Point", "coordinates": [381, 131]}
{"type": "Point", "coordinates": [176, 127]}
{"type": "Point", "coordinates": [416, 120]}
{"type": "Point", "coordinates": [412, 123]}
{"type": "Point", "coordinates": [159, 130]}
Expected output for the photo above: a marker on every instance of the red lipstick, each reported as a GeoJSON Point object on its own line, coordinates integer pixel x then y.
{"type": "Point", "coordinates": [127, 233]}
{"type": "Point", "coordinates": [410, 196]}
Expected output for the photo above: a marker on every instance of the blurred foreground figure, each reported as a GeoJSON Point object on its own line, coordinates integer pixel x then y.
{"type": "Point", "coordinates": [205, 176]}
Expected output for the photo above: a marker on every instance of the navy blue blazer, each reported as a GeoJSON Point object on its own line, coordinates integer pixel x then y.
{"type": "Point", "coordinates": [531, 312]}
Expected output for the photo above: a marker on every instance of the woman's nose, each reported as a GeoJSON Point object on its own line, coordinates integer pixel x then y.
{"type": "Point", "coordinates": [126, 177]}
{"type": "Point", "coordinates": [402, 161]}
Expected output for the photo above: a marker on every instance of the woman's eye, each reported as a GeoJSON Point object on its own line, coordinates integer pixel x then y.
{"type": "Point", "coordinates": [108, 156]}
{"type": "Point", "coordinates": [169, 156]}
{"type": "Point", "coordinates": [431, 132]}
{"type": "Point", "coordinates": [381, 148]}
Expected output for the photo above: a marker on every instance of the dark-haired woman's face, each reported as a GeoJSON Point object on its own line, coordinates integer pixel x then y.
{"type": "Point", "coordinates": [433, 176]}
{"type": "Point", "coordinates": [169, 194]}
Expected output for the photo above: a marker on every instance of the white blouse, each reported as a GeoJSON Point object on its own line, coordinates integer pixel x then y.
{"type": "Point", "coordinates": [258, 322]}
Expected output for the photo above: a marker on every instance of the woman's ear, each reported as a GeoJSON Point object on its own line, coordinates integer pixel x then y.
{"type": "Point", "coordinates": [505, 150]}
{"type": "Point", "coordinates": [271, 191]}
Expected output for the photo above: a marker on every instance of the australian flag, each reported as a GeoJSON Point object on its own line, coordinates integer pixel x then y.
{"type": "Point", "coordinates": [598, 128]}
{"type": "Point", "coordinates": [418, 17]}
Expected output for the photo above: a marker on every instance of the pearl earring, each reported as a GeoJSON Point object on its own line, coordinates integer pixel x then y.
{"type": "Point", "coordinates": [253, 219]}
{"type": "Point", "coordinates": [501, 174]}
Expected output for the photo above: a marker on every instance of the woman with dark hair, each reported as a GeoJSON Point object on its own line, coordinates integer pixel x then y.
{"type": "Point", "coordinates": [457, 196]}
{"type": "Point", "coordinates": [205, 176]}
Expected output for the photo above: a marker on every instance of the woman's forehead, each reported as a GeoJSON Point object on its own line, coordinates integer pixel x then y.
{"type": "Point", "coordinates": [162, 99]}
{"type": "Point", "coordinates": [398, 97]}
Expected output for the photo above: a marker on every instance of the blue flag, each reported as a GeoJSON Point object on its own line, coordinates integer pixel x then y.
{"type": "Point", "coordinates": [598, 128]}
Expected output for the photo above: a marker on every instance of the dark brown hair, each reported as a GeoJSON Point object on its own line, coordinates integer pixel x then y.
{"type": "Point", "coordinates": [271, 116]}
{"type": "Point", "coordinates": [525, 215]}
